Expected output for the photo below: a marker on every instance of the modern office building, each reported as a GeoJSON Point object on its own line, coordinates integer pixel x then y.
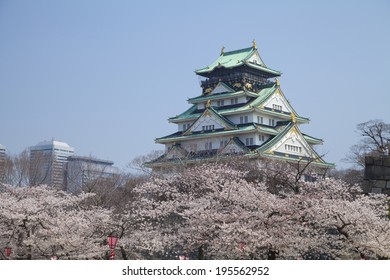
{"type": "Point", "coordinates": [2, 163]}
{"type": "Point", "coordinates": [242, 110]}
{"type": "Point", "coordinates": [47, 163]}
{"type": "Point", "coordinates": [83, 172]}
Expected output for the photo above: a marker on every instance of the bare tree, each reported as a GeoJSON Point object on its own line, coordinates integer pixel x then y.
{"type": "Point", "coordinates": [138, 162]}
{"type": "Point", "coordinates": [17, 169]}
{"type": "Point", "coordinates": [375, 138]}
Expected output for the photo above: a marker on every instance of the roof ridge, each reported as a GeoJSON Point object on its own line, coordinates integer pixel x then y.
{"type": "Point", "coordinates": [237, 51]}
{"type": "Point", "coordinates": [224, 119]}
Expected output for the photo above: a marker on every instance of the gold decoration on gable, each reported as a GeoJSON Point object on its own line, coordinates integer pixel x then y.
{"type": "Point", "coordinates": [237, 85]}
{"type": "Point", "coordinates": [294, 130]}
{"type": "Point", "coordinates": [208, 90]}
{"type": "Point", "coordinates": [293, 117]}
{"type": "Point", "coordinates": [248, 85]}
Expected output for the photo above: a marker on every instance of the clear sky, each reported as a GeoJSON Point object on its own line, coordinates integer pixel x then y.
{"type": "Point", "coordinates": [104, 76]}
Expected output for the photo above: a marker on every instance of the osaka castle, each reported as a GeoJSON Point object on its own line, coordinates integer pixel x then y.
{"type": "Point", "coordinates": [241, 110]}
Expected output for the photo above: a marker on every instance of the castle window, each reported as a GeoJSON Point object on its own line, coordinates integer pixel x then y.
{"type": "Point", "coordinates": [208, 145]}
{"type": "Point", "coordinates": [244, 119]}
{"type": "Point", "coordinates": [249, 141]}
{"type": "Point", "coordinates": [223, 143]}
{"type": "Point", "coordinates": [271, 122]}
{"type": "Point", "coordinates": [234, 101]}
{"type": "Point", "coordinates": [261, 138]}
{"type": "Point", "coordinates": [277, 107]}
{"type": "Point", "coordinates": [220, 103]}
{"type": "Point", "coordinates": [208, 127]}
{"type": "Point", "coordinates": [292, 148]}
{"type": "Point", "coordinates": [259, 119]}
{"type": "Point", "coordinates": [186, 126]}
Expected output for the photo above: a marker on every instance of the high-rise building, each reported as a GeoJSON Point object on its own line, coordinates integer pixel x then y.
{"type": "Point", "coordinates": [241, 110]}
{"type": "Point", "coordinates": [82, 172]}
{"type": "Point", "coordinates": [47, 163]}
{"type": "Point", "coordinates": [2, 163]}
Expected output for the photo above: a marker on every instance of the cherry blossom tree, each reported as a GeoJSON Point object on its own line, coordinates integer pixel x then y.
{"type": "Point", "coordinates": [40, 222]}
{"type": "Point", "coordinates": [210, 211]}
{"type": "Point", "coordinates": [213, 212]}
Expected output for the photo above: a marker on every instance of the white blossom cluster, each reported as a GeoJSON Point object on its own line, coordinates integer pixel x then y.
{"type": "Point", "coordinates": [42, 222]}
{"type": "Point", "coordinates": [215, 210]}
{"type": "Point", "coordinates": [210, 211]}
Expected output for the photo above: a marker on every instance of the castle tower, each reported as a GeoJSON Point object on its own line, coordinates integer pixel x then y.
{"type": "Point", "coordinates": [241, 110]}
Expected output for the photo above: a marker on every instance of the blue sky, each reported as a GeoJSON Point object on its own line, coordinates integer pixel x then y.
{"type": "Point", "coordinates": [104, 76]}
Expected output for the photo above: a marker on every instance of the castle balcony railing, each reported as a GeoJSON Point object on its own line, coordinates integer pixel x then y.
{"type": "Point", "coordinates": [233, 78]}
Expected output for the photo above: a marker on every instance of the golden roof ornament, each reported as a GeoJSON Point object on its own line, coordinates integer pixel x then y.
{"type": "Point", "coordinates": [254, 44]}
{"type": "Point", "coordinates": [222, 50]}
{"type": "Point", "coordinates": [208, 104]}
{"type": "Point", "coordinates": [277, 82]}
{"type": "Point", "coordinates": [293, 117]}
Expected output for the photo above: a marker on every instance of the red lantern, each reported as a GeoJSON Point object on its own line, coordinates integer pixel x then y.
{"type": "Point", "coordinates": [112, 240]}
{"type": "Point", "coordinates": [7, 251]}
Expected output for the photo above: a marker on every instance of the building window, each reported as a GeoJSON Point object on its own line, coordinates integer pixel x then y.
{"type": "Point", "coordinates": [271, 122]}
{"type": "Point", "coordinates": [186, 126]}
{"type": "Point", "coordinates": [223, 143]}
{"type": "Point", "coordinates": [244, 119]}
{"type": "Point", "coordinates": [261, 138]}
{"type": "Point", "coordinates": [277, 107]}
{"type": "Point", "coordinates": [292, 148]}
{"type": "Point", "coordinates": [234, 101]}
{"type": "Point", "coordinates": [259, 119]}
{"type": "Point", "coordinates": [220, 103]}
{"type": "Point", "coordinates": [249, 141]}
{"type": "Point", "coordinates": [208, 127]}
{"type": "Point", "coordinates": [208, 146]}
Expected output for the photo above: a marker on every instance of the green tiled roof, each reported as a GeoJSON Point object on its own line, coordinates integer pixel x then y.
{"type": "Point", "coordinates": [189, 114]}
{"type": "Point", "coordinates": [266, 93]}
{"type": "Point", "coordinates": [204, 98]}
{"type": "Point", "coordinates": [270, 143]}
{"type": "Point", "coordinates": [262, 96]}
{"type": "Point", "coordinates": [227, 122]}
{"type": "Point", "coordinates": [237, 58]}
{"type": "Point", "coordinates": [312, 140]}
{"type": "Point", "coordinates": [209, 110]}
{"type": "Point", "coordinates": [179, 135]}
